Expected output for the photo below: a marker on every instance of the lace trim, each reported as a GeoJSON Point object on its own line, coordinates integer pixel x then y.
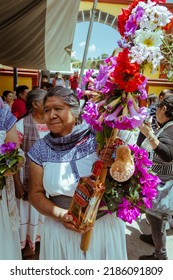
{"type": "Point", "coordinates": [12, 205]}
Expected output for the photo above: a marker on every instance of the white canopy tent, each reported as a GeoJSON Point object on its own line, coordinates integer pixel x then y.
{"type": "Point", "coordinates": [37, 34]}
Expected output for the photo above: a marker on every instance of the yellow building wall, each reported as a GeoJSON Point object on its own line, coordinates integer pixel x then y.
{"type": "Point", "coordinates": [158, 89]}
{"type": "Point", "coordinates": [6, 82]}
{"type": "Point", "coordinates": [113, 9]}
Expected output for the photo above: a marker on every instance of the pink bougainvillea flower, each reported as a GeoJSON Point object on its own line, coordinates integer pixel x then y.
{"type": "Point", "coordinates": [148, 192]}
{"type": "Point", "coordinates": [127, 211]}
{"type": "Point", "coordinates": [147, 202]}
{"type": "Point", "coordinates": [150, 179]}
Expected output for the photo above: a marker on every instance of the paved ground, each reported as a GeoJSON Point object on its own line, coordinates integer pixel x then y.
{"type": "Point", "coordinates": [135, 247]}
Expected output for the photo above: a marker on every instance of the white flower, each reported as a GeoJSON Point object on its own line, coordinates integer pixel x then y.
{"type": "Point", "coordinates": [149, 38]}
{"type": "Point", "coordinates": [154, 15]}
{"type": "Point", "coordinates": [140, 53]}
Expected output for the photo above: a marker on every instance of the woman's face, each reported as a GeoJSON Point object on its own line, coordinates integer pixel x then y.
{"type": "Point", "coordinates": [160, 114]}
{"type": "Point", "coordinates": [58, 116]}
{"type": "Point", "coordinates": [9, 98]}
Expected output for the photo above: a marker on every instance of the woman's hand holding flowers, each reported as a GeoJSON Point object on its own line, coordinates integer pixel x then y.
{"type": "Point", "coordinates": [146, 129]}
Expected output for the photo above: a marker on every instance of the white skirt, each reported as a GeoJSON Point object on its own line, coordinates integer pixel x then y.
{"type": "Point", "coordinates": [108, 241]}
{"type": "Point", "coordinates": [9, 239]}
{"type": "Point", "coordinates": [31, 222]}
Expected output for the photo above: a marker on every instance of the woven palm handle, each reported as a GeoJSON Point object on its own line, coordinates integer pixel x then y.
{"type": "Point", "coordinates": [86, 237]}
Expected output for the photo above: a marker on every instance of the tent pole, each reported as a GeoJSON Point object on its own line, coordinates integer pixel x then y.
{"type": "Point", "coordinates": [15, 79]}
{"type": "Point", "coordinates": [87, 41]}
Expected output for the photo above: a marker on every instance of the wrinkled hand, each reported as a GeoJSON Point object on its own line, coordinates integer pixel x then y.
{"type": "Point", "coordinates": [146, 129]}
{"type": "Point", "coordinates": [106, 155]}
{"type": "Point", "coordinates": [71, 226]}
{"type": "Point", "coordinates": [67, 221]}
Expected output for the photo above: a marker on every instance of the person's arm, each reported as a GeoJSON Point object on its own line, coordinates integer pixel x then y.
{"type": "Point", "coordinates": [54, 82]}
{"type": "Point", "coordinates": [11, 136]}
{"type": "Point", "coordinates": [69, 82]}
{"type": "Point", "coordinates": [38, 199]}
{"type": "Point", "coordinates": [63, 82]}
{"type": "Point", "coordinates": [163, 146]}
{"type": "Point", "coordinates": [148, 132]}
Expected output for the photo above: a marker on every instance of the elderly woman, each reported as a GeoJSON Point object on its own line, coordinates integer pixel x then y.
{"type": "Point", "coordinates": [57, 162]}
{"type": "Point", "coordinates": [161, 144]}
{"type": "Point", "coordinates": [30, 128]}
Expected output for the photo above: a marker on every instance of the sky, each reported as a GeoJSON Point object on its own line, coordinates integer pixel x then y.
{"type": "Point", "coordinates": [103, 40]}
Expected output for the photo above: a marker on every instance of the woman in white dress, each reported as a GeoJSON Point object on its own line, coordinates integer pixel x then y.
{"type": "Point", "coordinates": [9, 216]}
{"type": "Point", "coordinates": [57, 162]}
{"type": "Point", "coordinates": [30, 128]}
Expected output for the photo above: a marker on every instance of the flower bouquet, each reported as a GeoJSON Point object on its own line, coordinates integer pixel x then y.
{"type": "Point", "coordinates": [128, 198]}
{"type": "Point", "coordinates": [113, 101]}
{"type": "Point", "coordinates": [10, 159]}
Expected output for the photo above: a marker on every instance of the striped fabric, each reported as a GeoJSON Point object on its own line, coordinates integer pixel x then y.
{"type": "Point", "coordinates": [37, 34]}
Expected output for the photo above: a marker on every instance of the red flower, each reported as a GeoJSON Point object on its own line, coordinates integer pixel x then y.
{"type": "Point", "coordinates": [122, 20]}
{"type": "Point", "coordinates": [169, 25]}
{"type": "Point", "coordinates": [126, 74]}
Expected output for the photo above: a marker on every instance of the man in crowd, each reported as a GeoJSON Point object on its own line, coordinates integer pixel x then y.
{"type": "Point", "coordinates": [19, 104]}
{"type": "Point", "coordinates": [74, 80]}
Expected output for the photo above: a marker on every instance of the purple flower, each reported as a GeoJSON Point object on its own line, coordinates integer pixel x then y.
{"type": "Point", "coordinates": [142, 89]}
{"type": "Point", "coordinates": [91, 114]}
{"type": "Point", "coordinates": [111, 60]}
{"type": "Point", "coordinates": [102, 77]}
{"type": "Point", "coordinates": [134, 120]}
{"type": "Point", "coordinates": [87, 77]}
{"type": "Point", "coordinates": [8, 147]}
{"type": "Point", "coordinates": [132, 23]}
{"type": "Point", "coordinates": [110, 119]}
{"type": "Point", "coordinates": [90, 111]}
{"type": "Point", "coordinates": [127, 211]}
{"type": "Point", "coordinates": [79, 93]}
{"type": "Point", "coordinates": [131, 26]}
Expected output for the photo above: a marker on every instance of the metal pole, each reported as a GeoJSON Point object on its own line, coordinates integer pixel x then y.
{"type": "Point", "coordinates": [15, 81]}
{"type": "Point", "coordinates": [87, 41]}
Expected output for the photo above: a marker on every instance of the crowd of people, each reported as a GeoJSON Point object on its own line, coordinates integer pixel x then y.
{"type": "Point", "coordinates": [58, 148]}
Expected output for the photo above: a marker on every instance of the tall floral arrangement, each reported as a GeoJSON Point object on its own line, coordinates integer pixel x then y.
{"type": "Point", "coordinates": [120, 82]}
{"type": "Point", "coordinates": [113, 97]}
